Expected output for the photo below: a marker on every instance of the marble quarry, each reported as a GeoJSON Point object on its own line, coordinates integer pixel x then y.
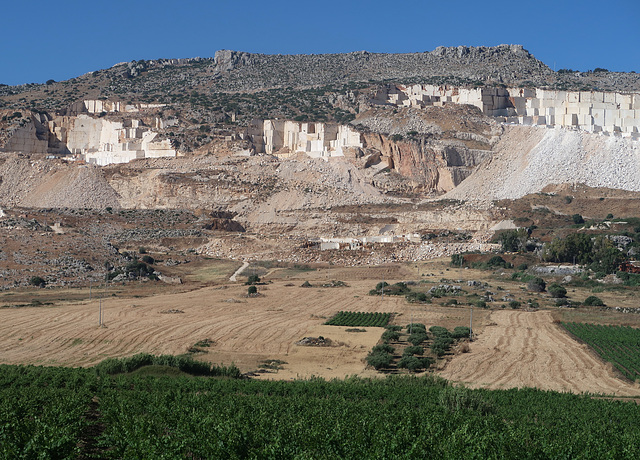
{"type": "Point", "coordinates": [96, 140]}
{"type": "Point", "coordinates": [592, 111]}
{"type": "Point", "coordinates": [100, 141]}
{"type": "Point", "coordinates": [285, 138]}
{"type": "Point", "coordinates": [96, 106]}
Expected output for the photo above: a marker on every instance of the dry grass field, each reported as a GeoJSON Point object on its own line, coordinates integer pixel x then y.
{"type": "Point", "coordinates": [514, 348]}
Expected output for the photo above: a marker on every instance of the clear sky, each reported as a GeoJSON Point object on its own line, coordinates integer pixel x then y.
{"type": "Point", "coordinates": [62, 39]}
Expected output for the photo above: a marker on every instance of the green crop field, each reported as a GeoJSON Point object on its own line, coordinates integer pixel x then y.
{"type": "Point", "coordinates": [70, 413]}
{"type": "Point", "coordinates": [360, 319]}
{"type": "Point", "coordinates": [620, 345]}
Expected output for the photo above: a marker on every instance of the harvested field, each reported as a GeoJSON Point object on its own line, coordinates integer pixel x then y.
{"type": "Point", "coordinates": [245, 330]}
{"type": "Point", "coordinates": [527, 349]}
{"type": "Point", "coordinates": [514, 348]}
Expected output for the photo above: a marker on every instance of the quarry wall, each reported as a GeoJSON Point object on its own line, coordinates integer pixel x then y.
{"type": "Point", "coordinates": [318, 140]}
{"type": "Point", "coordinates": [96, 140]}
{"type": "Point", "coordinates": [592, 111]}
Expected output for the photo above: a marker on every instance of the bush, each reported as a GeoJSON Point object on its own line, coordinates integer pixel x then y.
{"type": "Point", "coordinates": [481, 304]}
{"type": "Point", "coordinates": [440, 331]}
{"type": "Point", "coordinates": [413, 350]}
{"type": "Point", "coordinates": [148, 260]}
{"type": "Point", "coordinates": [389, 336]}
{"type": "Point", "coordinates": [514, 304]}
{"type": "Point", "coordinates": [37, 281]}
{"type": "Point", "coordinates": [577, 219]}
{"type": "Point", "coordinates": [497, 261]}
{"type": "Point", "coordinates": [593, 301]}
{"type": "Point", "coordinates": [378, 360]}
{"type": "Point", "coordinates": [557, 291]}
{"type": "Point", "coordinates": [416, 327]}
{"type": "Point", "coordinates": [393, 327]}
{"type": "Point", "coordinates": [537, 285]}
{"type": "Point", "coordinates": [457, 260]}
{"type": "Point", "coordinates": [253, 279]}
{"type": "Point", "coordinates": [461, 332]}
{"type": "Point", "coordinates": [383, 348]}
{"type": "Point", "coordinates": [252, 290]}
{"type": "Point", "coordinates": [418, 297]}
{"type": "Point", "coordinates": [417, 338]}
{"type": "Point", "coordinates": [413, 363]}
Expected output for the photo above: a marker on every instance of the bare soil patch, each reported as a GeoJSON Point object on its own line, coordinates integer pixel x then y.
{"type": "Point", "coordinates": [527, 349]}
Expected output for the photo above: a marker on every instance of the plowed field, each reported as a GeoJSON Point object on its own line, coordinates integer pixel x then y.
{"type": "Point", "coordinates": [527, 349]}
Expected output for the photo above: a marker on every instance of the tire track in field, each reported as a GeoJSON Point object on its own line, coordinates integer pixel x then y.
{"type": "Point", "coordinates": [526, 349]}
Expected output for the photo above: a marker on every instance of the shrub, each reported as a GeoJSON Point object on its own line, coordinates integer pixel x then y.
{"type": "Point", "coordinates": [416, 327]}
{"type": "Point", "coordinates": [37, 281]}
{"type": "Point", "coordinates": [253, 279]}
{"type": "Point", "coordinates": [514, 304]}
{"type": "Point", "coordinates": [457, 260]}
{"type": "Point", "coordinates": [593, 301]}
{"type": "Point", "coordinates": [393, 327]}
{"type": "Point", "coordinates": [383, 348]}
{"type": "Point", "coordinates": [557, 291]}
{"type": "Point", "coordinates": [440, 331]}
{"type": "Point", "coordinates": [418, 297]}
{"type": "Point", "coordinates": [537, 285]}
{"type": "Point", "coordinates": [461, 332]}
{"type": "Point", "coordinates": [413, 363]}
{"type": "Point", "coordinates": [497, 261]}
{"type": "Point", "coordinates": [577, 219]}
{"type": "Point", "coordinates": [379, 360]}
{"type": "Point", "coordinates": [413, 350]}
{"type": "Point", "coordinates": [481, 304]}
{"type": "Point", "coordinates": [417, 338]}
{"type": "Point", "coordinates": [252, 290]}
{"type": "Point", "coordinates": [148, 260]}
{"type": "Point", "coordinates": [389, 336]}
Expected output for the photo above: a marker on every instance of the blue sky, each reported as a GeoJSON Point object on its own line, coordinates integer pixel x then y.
{"type": "Point", "coordinates": [60, 40]}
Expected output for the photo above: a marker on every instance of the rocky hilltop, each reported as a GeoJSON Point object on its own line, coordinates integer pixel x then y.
{"type": "Point", "coordinates": [509, 64]}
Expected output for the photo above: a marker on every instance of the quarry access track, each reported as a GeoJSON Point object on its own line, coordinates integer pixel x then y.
{"type": "Point", "coordinates": [527, 349]}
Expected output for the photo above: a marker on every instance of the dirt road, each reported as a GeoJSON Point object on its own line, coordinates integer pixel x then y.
{"type": "Point", "coordinates": [526, 349]}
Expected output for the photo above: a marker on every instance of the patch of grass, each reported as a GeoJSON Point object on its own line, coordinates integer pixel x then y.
{"type": "Point", "coordinates": [274, 364]}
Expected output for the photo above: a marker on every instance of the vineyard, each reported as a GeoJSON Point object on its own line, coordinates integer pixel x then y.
{"type": "Point", "coordinates": [359, 319]}
{"type": "Point", "coordinates": [619, 345]}
{"type": "Point", "coordinates": [70, 413]}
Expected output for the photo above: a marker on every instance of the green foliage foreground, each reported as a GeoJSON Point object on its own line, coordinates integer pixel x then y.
{"type": "Point", "coordinates": [45, 413]}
